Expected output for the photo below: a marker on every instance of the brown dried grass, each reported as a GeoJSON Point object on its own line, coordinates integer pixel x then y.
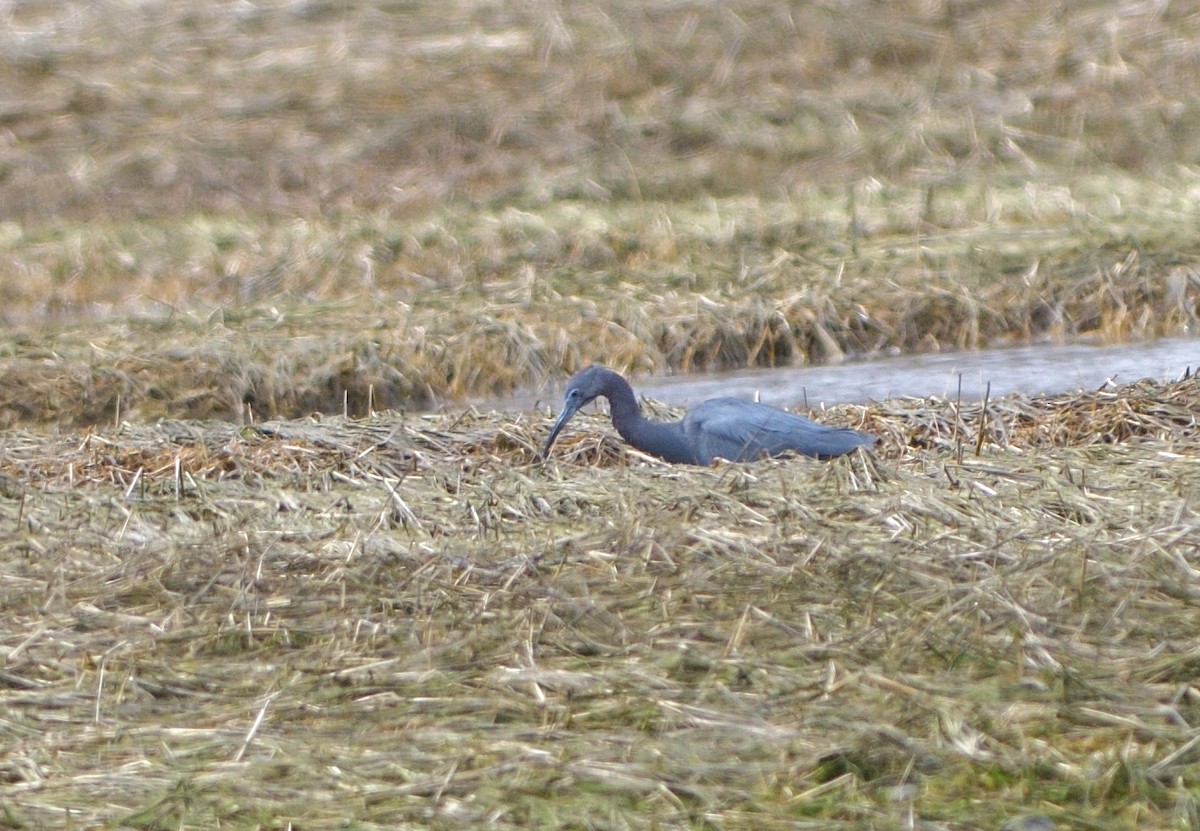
{"type": "Point", "coordinates": [395, 621]}
{"type": "Point", "coordinates": [299, 109]}
{"type": "Point", "coordinates": [425, 347]}
{"type": "Point", "coordinates": [244, 211]}
{"type": "Point", "coordinates": [332, 206]}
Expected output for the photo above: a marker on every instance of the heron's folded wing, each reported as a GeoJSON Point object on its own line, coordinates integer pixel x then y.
{"type": "Point", "coordinates": [741, 430]}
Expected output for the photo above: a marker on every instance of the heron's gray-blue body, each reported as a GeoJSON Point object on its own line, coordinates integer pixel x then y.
{"type": "Point", "coordinates": [727, 428]}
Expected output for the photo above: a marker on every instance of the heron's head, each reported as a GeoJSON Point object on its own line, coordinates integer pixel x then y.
{"type": "Point", "coordinates": [585, 386]}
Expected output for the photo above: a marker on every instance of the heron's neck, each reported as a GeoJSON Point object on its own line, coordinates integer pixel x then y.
{"type": "Point", "coordinates": [623, 406]}
{"type": "Point", "coordinates": [664, 440]}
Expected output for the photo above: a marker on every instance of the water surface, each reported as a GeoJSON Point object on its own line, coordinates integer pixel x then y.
{"type": "Point", "coordinates": [1040, 368]}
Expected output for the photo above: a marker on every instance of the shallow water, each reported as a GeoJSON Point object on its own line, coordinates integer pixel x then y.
{"type": "Point", "coordinates": [1041, 368]}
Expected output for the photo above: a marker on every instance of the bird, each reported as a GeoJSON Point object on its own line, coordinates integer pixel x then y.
{"type": "Point", "coordinates": [728, 428]}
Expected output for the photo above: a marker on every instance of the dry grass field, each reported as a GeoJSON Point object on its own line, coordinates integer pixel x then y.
{"type": "Point", "coordinates": [242, 587]}
{"type": "Point", "coordinates": [384, 623]}
{"type": "Point", "coordinates": [319, 205]}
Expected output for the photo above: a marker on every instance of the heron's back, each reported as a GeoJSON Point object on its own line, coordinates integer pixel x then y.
{"type": "Point", "coordinates": [741, 431]}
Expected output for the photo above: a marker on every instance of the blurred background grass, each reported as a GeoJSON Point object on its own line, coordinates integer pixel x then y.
{"type": "Point", "coordinates": [308, 109]}
{"type": "Point", "coordinates": [494, 194]}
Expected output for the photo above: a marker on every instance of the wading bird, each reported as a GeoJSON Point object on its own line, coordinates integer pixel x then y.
{"type": "Point", "coordinates": [727, 428]}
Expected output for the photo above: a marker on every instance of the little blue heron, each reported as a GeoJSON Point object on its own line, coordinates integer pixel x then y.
{"type": "Point", "coordinates": [729, 428]}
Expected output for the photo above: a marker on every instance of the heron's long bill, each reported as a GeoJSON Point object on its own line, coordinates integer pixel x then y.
{"type": "Point", "coordinates": [563, 417]}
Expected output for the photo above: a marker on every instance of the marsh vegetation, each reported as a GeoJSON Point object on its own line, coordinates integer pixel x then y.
{"type": "Point", "coordinates": [244, 586]}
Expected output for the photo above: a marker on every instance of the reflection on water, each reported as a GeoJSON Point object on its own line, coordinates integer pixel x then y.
{"type": "Point", "coordinates": [1043, 368]}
